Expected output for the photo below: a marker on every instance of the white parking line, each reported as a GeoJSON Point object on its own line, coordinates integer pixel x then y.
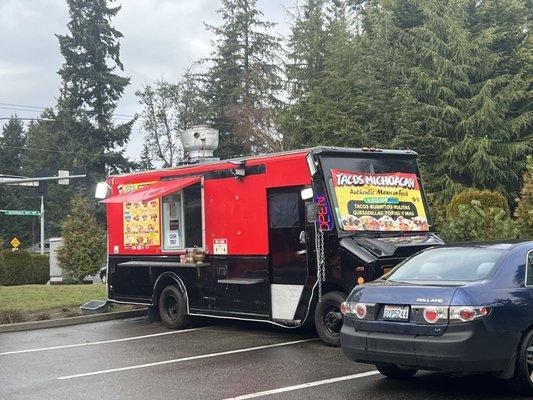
{"type": "Point", "coordinates": [66, 346]}
{"type": "Point", "coordinates": [303, 386]}
{"type": "Point", "coordinates": [177, 360]}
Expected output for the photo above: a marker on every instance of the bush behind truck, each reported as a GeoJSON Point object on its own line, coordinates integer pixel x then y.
{"type": "Point", "coordinates": [23, 268]}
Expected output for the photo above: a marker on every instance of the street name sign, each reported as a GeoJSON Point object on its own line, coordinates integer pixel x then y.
{"type": "Point", "coordinates": [27, 213]}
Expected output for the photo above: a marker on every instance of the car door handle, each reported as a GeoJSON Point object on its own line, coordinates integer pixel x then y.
{"type": "Point", "coordinates": [301, 252]}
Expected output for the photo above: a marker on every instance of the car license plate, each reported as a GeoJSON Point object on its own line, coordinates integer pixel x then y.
{"type": "Point", "coordinates": [396, 313]}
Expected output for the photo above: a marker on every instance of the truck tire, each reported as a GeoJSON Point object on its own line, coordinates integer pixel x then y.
{"type": "Point", "coordinates": [522, 381]}
{"type": "Point", "coordinates": [328, 318]}
{"type": "Point", "coordinates": [394, 372]}
{"type": "Point", "coordinates": [173, 308]}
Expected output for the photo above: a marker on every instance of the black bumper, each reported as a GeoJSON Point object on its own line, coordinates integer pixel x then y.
{"type": "Point", "coordinates": [465, 347]}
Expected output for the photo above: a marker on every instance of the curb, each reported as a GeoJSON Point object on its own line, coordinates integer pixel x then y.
{"type": "Point", "coordinates": [83, 319]}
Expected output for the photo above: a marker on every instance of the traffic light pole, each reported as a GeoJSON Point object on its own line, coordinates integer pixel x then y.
{"type": "Point", "coordinates": [42, 225]}
{"type": "Point", "coordinates": [63, 179]}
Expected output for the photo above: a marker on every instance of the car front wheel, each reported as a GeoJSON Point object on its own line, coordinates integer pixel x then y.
{"type": "Point", "coordinates": [522, 380]}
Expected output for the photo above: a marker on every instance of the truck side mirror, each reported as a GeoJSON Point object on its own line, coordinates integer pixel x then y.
{"type": "Point", "coordinates": [311, 212]}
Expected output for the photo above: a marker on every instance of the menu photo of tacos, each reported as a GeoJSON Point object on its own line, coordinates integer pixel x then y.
{"type": "Point", "coordinates": [362, 223]}
{"type": "Point", "coordinates": [383, 223]}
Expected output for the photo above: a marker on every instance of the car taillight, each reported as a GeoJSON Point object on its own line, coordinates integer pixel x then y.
{"type": "Point", "coordinates": [360, 310]}
{"type": "Point", "coordinates": [454, 314]}
{"type": "Point", "coordinates": [435, 314]}
{"type": "Point", "coordinates": [467, 313]}
{"type": "Point", "coordinates": [345, 308]}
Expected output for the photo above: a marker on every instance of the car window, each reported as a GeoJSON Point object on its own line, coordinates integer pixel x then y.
{"type": "Point", "coordinates": [529, 269]}
{"type": "Point", "coordinates": [448, 264]}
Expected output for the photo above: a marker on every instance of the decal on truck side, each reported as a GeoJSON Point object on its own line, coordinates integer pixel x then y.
{"type": "Point", "coordinates": [220, 246]}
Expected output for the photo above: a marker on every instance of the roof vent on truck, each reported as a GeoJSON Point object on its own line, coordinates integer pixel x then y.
{"type": "Point", "coordinates": [200, 141]}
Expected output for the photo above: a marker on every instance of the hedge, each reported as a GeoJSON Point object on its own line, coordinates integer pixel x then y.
{"type": "Point", "coordinates": [22, 268]}
{"type": "Point", "coordinates": [41, 268]}
{"type": "Point", "coordinates": [2, 268]}
{"type": "Point", "coordinates": [487, 198]}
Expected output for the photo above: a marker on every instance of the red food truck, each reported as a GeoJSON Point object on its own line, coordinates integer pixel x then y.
{"type": "Point", "coordinates": [285, 236]}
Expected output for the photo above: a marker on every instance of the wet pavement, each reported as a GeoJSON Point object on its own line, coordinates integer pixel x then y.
{"type": "Point", "coordinates": [214, 359]}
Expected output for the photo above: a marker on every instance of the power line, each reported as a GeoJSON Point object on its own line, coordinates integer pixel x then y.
{"type": "Point", "coordinates": [38, 149]}
{"type": "Point", "coordinates": [25, 107]}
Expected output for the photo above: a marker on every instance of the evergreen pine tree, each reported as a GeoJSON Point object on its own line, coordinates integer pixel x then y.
{"type": "Point", "coordinates": [12, 143]}
{"type": "Point", "coordinates": [46, 152]}
{"type": "Point", "coordinates": [470, 136]}
{"type": "Point", "coordinates": [524, 209]}
{"type": "Point", "coordinates": [91, 88]}
{"type": "Point", "coordinates": [242, 83]}
{"type": "Point", "coordinates": [304, 69]}
{"type": "Point", "coordinates": [12, 150]}
{"type": "Point", "coordinates": [83, 252]}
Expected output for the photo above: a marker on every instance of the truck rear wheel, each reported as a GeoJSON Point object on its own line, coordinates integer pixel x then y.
{"type": "Point", "coordinates": [173, 308]}
{"type": "Point", "coordinates": [328, 318]}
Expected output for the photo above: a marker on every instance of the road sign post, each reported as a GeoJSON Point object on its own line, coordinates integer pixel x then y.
{"type": "Point", "coordinates": [63, 178]}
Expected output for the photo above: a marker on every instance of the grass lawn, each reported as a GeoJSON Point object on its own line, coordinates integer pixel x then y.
{"type": "Point", "coordinates": [40, 302]}
{"type": "Point", "coordinates": [45, 297]}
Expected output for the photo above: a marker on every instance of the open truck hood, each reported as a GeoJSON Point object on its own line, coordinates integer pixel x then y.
{"type": "Point", "coordinates": [370, 249]}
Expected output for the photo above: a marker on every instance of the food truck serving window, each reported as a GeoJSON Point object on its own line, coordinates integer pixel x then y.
{"type": "Point", "coordinates": [376, 193]}
{"type": "Point", "coordinates": [182, 219]}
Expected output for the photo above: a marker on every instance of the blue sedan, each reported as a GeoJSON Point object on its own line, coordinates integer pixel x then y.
{"type": "Point", "coordinates": [464, 308]}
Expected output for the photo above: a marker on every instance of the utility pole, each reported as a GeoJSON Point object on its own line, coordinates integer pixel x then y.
{"type": "Point", "coordinates": [42, 225]}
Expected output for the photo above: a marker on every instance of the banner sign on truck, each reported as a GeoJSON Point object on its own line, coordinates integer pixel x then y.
{"type": "Point", "coordinates": [141, 220]}
{"type": "Point", "coordinates": [379, 202]}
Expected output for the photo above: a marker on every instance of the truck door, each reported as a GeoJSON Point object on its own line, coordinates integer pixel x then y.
{"type": "Point", "coordinates": [288, 249]}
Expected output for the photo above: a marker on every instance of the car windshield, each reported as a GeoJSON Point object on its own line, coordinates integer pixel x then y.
{"type": "Point", "coordinates": [448, 264]}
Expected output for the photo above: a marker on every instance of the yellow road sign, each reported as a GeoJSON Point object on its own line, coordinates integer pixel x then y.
{"type": "Point", "coordinates": [15, 242]}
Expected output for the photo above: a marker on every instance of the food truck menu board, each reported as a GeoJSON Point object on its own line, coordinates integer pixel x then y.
{"type": "Point", "coordinates": [141, 220]}
{"type": "Point", "coordinates": [379, 202]}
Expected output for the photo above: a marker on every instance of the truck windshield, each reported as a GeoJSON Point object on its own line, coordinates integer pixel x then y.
{"type": "Point", "coordinates": [448, 264]}
{"type": "Point", "coordinates": [376, 193]}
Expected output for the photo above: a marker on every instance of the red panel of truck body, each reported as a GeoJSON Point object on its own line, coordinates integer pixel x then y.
{"type": "Point", "coordinates": [235, 210]}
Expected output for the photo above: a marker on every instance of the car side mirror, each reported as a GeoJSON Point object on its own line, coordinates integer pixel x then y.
{"type": "Point", "coordinates": [311, 212]}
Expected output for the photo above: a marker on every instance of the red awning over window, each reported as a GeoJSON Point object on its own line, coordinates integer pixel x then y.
{"type": "Point", "coordinates": [151, 192]}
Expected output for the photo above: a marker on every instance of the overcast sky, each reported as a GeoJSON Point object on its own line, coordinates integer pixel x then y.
{"type": "Point", "coordinates": [161, 39]}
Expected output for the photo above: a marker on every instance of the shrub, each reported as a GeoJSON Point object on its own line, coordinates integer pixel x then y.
{"type": "Point", "coordinates": [18, 267]}
{"type": "Point", "coordinates": [2, 269]}
{"type": "Point", "coordinates": [478, 223]}
{"type": "Point", "coordinates": [487, 199]}
{"type": "Point", "coordinates": [40, 273]}
{"type": "Point", "coordinates": [524, 210]}
{"type": "Point", "coordinates": [85, 242]}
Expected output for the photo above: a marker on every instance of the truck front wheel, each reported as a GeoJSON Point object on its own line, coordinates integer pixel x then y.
{"type": "Point", "coordinates": [173, 308]}
{"type": "Point", "coordinates": [328, 318]}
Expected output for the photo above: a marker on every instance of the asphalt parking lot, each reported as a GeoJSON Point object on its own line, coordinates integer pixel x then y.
{"type": "Point", "coordinates": [136, 359]}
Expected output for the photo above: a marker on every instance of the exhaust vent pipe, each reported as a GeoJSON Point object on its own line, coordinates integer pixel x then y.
{"type": "Point", "coordinates": [199, 142]}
